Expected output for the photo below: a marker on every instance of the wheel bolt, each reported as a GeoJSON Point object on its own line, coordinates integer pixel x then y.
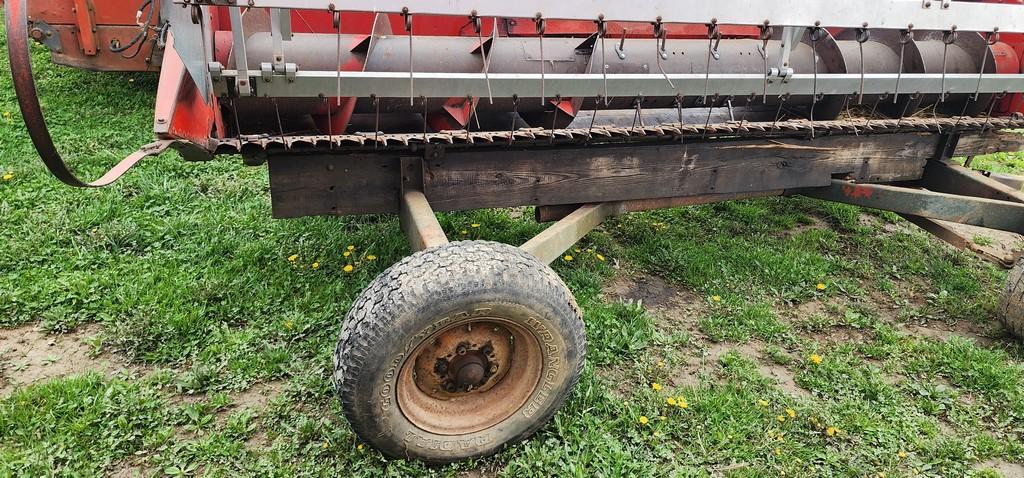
{"type": "Point", "coordinates": [461, 350]}
{"type": "Point", "coordinates": [494, 369]}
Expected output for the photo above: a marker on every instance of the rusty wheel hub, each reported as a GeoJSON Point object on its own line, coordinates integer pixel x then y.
{"type": "Point", "coordinates": [469, 376]}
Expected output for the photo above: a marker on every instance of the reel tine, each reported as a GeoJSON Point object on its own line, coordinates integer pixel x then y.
{"type": "Point", "coordinates": [991, 38]}
{"type": "Point", "coordinates": [948, 38]}
{"type": "Point", "coordinates": [478, 26]}
{"type": "Point", "coordinates": [602, 30]}
{"type": "Point", "coordinates": [863, 35]}
{"type": "Point", "coordinates": [412, 89]}
{"type": "Point", "coordinates": [280, 126]}
{"type": "Point", "coordinates": [660, 38]}
{"type": "Point", "coordinates": [541, 25]}
{"type": "Point", "coordinates": [906, 36]}
{"type": "Point", "coordinates": [765, 34]}
{"type": "Point", "coordinates": [337, 27]}
{"type": "Point", "coordinates": [515, 112]}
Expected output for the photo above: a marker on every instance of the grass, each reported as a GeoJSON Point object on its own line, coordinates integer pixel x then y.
{"type": "Point", "coordinates": [189, 280]}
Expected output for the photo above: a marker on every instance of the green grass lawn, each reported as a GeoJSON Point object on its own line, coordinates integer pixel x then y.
{"type": "Point", "coordinates": [776, 337]}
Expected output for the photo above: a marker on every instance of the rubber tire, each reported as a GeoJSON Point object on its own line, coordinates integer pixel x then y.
{"type": "Point", "coordinates": [1011, 303]}
{"type": "Point", "coordinates": [407, 303]}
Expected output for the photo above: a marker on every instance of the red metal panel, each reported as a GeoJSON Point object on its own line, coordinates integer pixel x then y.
{"type": "Point", "coordinates": [105, 12]}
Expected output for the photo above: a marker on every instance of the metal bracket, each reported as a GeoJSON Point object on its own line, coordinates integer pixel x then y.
{"type": "Point", "coordinates": [43, 33]}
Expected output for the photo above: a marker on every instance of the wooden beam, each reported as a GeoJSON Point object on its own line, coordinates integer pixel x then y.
{"type": "Point", "coordinates": [984, 212]}
{"type": "Point", "coordinates": [419, 222]}
{"type": "Point", "coordinates": [339, 183]}
{"type": "Point", "coordinates": [502, 178]}
{"type": "Point", "coordinates": [560, 236]}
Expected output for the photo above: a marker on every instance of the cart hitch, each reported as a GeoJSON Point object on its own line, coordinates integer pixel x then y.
{"type": "Point", "coordinates": [28, 101]}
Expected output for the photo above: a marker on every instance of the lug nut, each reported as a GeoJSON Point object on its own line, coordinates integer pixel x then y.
{"type": "Point", "coordinates": [461, 350]}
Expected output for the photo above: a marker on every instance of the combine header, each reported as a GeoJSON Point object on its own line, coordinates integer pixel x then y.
{"type": "Point", "coordinates": [583, 109]}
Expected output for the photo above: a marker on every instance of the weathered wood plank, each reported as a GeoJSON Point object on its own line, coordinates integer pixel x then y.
{"type": "Point", "coordinates": [304, 185]}
{"type": "Point", "coordinates": [461, 180]}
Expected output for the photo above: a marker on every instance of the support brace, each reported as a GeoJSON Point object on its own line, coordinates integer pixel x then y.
{"type": "Point", "coordinates": [984, 212]}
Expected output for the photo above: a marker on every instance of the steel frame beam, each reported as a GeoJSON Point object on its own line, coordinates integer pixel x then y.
{"type": "Point", "coordinates": [930, 15]}
{"type": "Point", "coordinates": [984, 212]}
{"type": "Point", "coordinates": [455, 85]}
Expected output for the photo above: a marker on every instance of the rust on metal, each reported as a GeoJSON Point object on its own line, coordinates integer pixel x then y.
{"type": "Point", "coordinates": [470, 376]}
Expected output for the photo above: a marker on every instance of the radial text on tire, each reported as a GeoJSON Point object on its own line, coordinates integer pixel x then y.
{"type": "Point", "coordinates": [457, 351]}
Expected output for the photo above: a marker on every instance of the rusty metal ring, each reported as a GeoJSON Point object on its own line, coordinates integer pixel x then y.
{"type": "Point", "coordinates": [35, 123]}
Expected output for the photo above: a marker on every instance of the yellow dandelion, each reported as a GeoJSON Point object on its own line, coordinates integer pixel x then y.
{"type": "Point", "coordinates": [474, 225]}
{"type": "Point", "coordinates": [656, 386]}
{"type": "Point", "coordinates": [359, 447]}
{"type": "Point", "coordinates": [831, 431]}
{"type": "Point", "coordinates": [791, 413]}
{"type": "Point", "coordinates": [567, 258]}
{"type": "Point", "coordinates": [315, 265]}
{"type": "Point", "coordinates": [815, 359]}
{"type": "Point", "coordinates": [348, 268]}
{"type": "Point", "coordinates": [820, 286]}
{"type": "Point", "coordinates": [780, 418]}
{"type": "Point", "coordinates": [578, 250]}
{"type": "Point", "coordinates": [351, 247]}
{"type": "Point", "coordinates": [902, 454]}
{"type": "Point", "coordinates": [716, 298]}
{"type": "Point", "coordinates": [324, 446]}
{"type": "Point", "coordinates": [600, 257]}
{"type": "Point", "coordinates": [661, 364]}
{"type": "Point", "coordinates": [293, 258]}
{"type": "Point", "coordinates": [463, 232]}
{"type": "Point", "coordinates": [289, 324]}
{"type": "Point", "coordinates": [763, 403]}
{"type": "Point", "coordinates": [371, 257]}
{"type": "Point", "coordinates": [8, 176]}
{"type": "Point", "coordinates": [778, 451]}
{"type": "Point", "coordinates": [656, 434]}
{"type": "Point", "coordinates": [590, 249]}
{"type": "Point", "coordinates": [662, 417]}
{"type": "Point", "coordinates": [643, 420]}
{"type": "Point", "coordinates": [346, 253]}
{"type": "Point", "coordinates": [681, 402]}
{"type": "Point", "coordinates": [671, 401]}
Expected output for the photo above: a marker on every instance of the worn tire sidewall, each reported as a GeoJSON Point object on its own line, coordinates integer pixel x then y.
{"type": "Point", "coordinates": [525, 302]}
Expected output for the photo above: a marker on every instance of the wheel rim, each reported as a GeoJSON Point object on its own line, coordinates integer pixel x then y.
{"type": "Point", "coordinates": [469, 376]}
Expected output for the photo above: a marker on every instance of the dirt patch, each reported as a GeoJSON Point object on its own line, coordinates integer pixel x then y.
{"type": "Point", "coordinates": [942, 331]}
{"type": "Point", "coordinates": [483, 471]}
{"type": "Point", "coordinates": [675, 308]}
{"type": "Point", "coordinates": [128, 469]}
{"type": "Point", "coordinates": [256, 397]}
{"type": "Point", "coordinates": [1000, 246]}
{"type": "Point", "coordinates": [689, 373]}
{"type": "Point", "coordinates": [29, 355]}
{"type": "Point", "coordinates": [1005, 468]}
{"type": "Point", "coordinates": [814, 223]}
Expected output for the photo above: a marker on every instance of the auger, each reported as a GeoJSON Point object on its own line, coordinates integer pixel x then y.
{"type": "Point", "coordinates": [396, 107]}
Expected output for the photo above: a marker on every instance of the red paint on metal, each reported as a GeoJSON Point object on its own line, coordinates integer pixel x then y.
{"type": "Point", "coordinates": [854, 191]}
{"type": "Point", "coordinates": [86, 26]}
